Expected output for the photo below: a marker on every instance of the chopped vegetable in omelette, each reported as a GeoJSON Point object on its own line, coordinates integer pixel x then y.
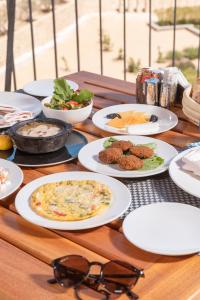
{"type": "Point", "coordinates": [129, 118]}
{"type": "Point", "coordinates": [71, 200]}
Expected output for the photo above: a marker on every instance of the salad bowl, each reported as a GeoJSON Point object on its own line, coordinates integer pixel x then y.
{"type": "Point", "coordinates": [72, 116]}
{"type": "Point", "coordinates": [66, 104]}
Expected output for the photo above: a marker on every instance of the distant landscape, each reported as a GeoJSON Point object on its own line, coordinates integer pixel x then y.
{"type": "Point", "coordinates": [137, 32]}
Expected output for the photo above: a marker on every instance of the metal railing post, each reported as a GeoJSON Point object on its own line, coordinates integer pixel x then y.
{"type": "Point", "coordinates": [77, 35]}
{"type": "Point", "coordinates": [54, 37]}
{"type": "Point", "coordinates": [150, 21]}
{"type": "Point", "coordinates": [100, 36]}
{"type": "Point", "coordinates": [174, 36]}
{"type": "Point", "coordinates": [32, 37]}
{"type": "Point", "coordinates": [124, 35]}
{"type": "Point", "coordinates": [10, 44]}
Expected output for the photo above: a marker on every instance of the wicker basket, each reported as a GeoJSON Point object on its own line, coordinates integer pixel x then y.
{"type": "Point", "coordinates": [191, 108]}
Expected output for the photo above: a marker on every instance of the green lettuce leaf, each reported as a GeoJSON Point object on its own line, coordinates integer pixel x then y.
{"type": "Point", "coordinates": [83, 96]}
{"type": "Point", "coordinates": [109, 142]}
{"type": "Point", "coordinates": [152, 163]}
{"type": "Point", "coordinates": [62, 91]}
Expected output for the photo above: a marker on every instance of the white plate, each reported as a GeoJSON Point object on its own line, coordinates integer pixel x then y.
{"type": "Point", "coordinates": [15, 178]}
{"type": "Point", "coordinates": [45, 87]}
{"type": "Point", "coordinates": [120, 202]}
{"type": "Point", "coordinates": [88, 157]}
{"type": "Point", "coordinates": [186, 180]}
{"type": "Point", "coordinates": [21, 102]}
{"type": "Point", "coordinates": [166, 118]}
{"type": "Point", "coordinates": [167, 228]}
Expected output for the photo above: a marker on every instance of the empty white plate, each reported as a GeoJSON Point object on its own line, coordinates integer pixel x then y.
{"type": "Point", "coordinates": [88, 157]}
{"type": "Point", "coordinates": [166, 118]}
{"type": "Point", "coordinates": [167, 228]}
{"type": "Point", "coordinates": [187, 181]}
{"type": "Point", "coordinates": [45, 87]}
{"type": "Point", "coordinates": [121, 199]}
{"type": "Point", "coordinates": [15, 178]}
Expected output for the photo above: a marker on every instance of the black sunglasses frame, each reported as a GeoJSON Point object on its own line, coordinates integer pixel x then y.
{"type": "Point", "coordinates": [99, 279]}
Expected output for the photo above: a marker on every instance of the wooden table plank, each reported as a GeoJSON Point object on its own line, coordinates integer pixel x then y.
{"type": "Point", "coordinates": [25, 277]}
{"type": "Point", "coordinates": [37, 241]}
{"type": "Point", "coordinates": [114, 246]}
{"type": "Point", "coordinates": [104, 81]}
{"type": "Point", "coordinates": [171, 279]}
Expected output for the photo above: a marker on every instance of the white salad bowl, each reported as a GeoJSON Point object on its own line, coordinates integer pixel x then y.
{"type": "Point", "coordinates": [70, 116]}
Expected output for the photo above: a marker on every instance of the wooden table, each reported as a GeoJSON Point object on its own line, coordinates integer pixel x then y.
{"type": "Point", "coordinates": [26, 250]}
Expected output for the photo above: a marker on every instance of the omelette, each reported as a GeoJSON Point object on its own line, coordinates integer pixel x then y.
{"type": "Point", "coordinates": [70, 200]}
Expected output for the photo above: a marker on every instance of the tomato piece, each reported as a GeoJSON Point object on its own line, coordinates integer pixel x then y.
{"type": "Point", "coordinates": [73, 103]}
{"type": "Point", "coordinates": [59, 213]}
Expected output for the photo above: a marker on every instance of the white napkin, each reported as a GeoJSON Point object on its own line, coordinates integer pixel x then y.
{"type": "Point", "coordinates": [192, 161]}
{"type": "Point", "coordinates": [146, 128]}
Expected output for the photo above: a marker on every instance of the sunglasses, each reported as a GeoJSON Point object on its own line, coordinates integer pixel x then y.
{"type": "Point", "coordinates": [115, 277]}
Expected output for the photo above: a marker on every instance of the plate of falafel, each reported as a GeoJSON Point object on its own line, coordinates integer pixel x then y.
{"type": "Point", "coordinates": [127, 156]}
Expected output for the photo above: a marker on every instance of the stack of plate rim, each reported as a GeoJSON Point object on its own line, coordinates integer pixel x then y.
{"type": "Point", "coordinates": [191, 108]}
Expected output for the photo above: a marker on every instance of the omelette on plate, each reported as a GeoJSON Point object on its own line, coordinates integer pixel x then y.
{"type": "Point", "coordinates": [70, 200]}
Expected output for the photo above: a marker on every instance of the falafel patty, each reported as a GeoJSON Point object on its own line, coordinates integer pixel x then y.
{"type": "Point", "coordinates": [110, 155]}
{"type": "Point", "coordinates": [142, 151]}
{"type": "Point", "coordinates": [130, 162]}
{"type": "Point", "coordinates": [124, 145]}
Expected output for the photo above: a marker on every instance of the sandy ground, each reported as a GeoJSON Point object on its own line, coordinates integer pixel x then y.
{"type": "Point", "coordinates": [137, 43]}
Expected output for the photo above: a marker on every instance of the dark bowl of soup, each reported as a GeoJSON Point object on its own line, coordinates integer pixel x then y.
{"type": "Point", "coordinates": [40, 135]}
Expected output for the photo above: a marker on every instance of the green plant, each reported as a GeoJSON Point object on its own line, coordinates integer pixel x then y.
{"type": "Point", "coordinates": [106, 42]}
{"type": "Point", "coordinates": [184, 15]}
{"type": "Point", "coordinates": [120, 55]}
{"type": "Point", "coordinates": [65, 63]}
{"type": "Point", "coordinates": [133, 66]}
{"type": "Point", "coordinates": [178, 55]}
{"type": "Point", "coordinates": [188, 69]}
{"type": "Point", "coordinates": [161, 59]}
{"type": "Point", "coordinates": [190, 53]}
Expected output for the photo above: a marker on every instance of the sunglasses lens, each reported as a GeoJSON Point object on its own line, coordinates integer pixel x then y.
{"type": "Point", "coordinates": [118, 275]}
{"type": "Point", "coordinates": [71, 270]}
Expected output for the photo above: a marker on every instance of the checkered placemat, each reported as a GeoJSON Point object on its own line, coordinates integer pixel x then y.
{"type": "Point", "coordinates": [158, 188]}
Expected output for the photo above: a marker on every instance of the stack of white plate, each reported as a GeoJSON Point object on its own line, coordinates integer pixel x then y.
{"type": "Point", "coordinates": [190, 107]}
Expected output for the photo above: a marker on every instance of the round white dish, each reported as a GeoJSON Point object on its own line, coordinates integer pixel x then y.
{"type": "Point", "coordinates": [166, 118]}
{"type": "Point", "coordinates": [45, 87]}
{"type": "Point", "coordinates": [72, 116]}
{"type": "Point", "coordinates": [167, 228]}
{"type": "Point", "coordinates": [15, 178]}
{"type": "Point", "coordinates": [186, 180]}
{"type": "Point", "coordinates": [88, 157]}
{"type": "Point", "coordinates": [21, 102]}
{"type": "Point", "coordinates": [120, 201]}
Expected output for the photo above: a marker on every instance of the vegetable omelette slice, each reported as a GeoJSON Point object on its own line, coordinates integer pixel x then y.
{"type": "Point", "coordinates": [70, 200]}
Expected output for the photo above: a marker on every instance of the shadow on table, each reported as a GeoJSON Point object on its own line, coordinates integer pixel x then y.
{"type": "Point", "coordinates": [41, 280]}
